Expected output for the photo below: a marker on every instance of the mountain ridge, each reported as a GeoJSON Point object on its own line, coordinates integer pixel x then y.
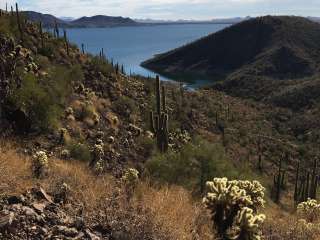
{"type": "Point", "coordinates": [252, 58]}
{"type": "Point", "coordinates": [100, 21]}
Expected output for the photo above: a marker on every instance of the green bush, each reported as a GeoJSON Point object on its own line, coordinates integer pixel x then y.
{"type": "Point", "coordinates": [101, 65]}
{"type": "Point", "coordinates": [80, 151]}
{"type": "Point", "coordinates": [125, 106]}
{"type": "Point", "coordinates": [191, 167]}
{"type": "Point", "coordinates": [35, 102]}
{"type": "Point", "coordinates": [42, 100]}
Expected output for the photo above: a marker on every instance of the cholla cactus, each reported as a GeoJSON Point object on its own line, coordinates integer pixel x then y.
{"type": "Point", "coordinates": [130, 176]}
{"type": "Point", "coordinates": [63, 133]}
{"type": "Point", "coordinates": [98, 154]}
{"type": "Point", "coordinates": [98, 167]}
{"type": "Point", "coordinates": [65, 154]}
{"type": "Point", "coordinates": [40, 163]}
{"type": "Point", "coordinates": [96, 118]}
{"type": "Point", "coordinates": [247, 225]}
{"type": "Point", "coordinates": [130, 179]}
{"type": "Point", "coordinates": [225, 199]}
{"type": "Point", "coordinates": [309, 210]}
{"type": "Point", "coordinates": [253, 189]}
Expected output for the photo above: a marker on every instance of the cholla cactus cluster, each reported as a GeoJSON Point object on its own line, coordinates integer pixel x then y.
{"type": "Point", "coordinates": [229, 202]}
{"type": "Point", "coordinates": [40, 163]}
{"type": "Point", "coordinates": [309, 210]}
{"type": "Point", "coordinates": [130, 179]}
{"type": "Point", "coordinates": [70, 114]}
{"type": "Point", "coordinates": [98, 154]}
{"type": "Point", "coordinates": [131, 176]}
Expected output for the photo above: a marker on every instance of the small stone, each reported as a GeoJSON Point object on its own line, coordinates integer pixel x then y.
{"type": "Point", "coordinates": [69, 232]}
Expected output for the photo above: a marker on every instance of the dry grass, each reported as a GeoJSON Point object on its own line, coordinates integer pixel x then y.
{"type": "Point", "coordinates": [167, 212]}
{"type": "Point", "coordinates": [153, 213]}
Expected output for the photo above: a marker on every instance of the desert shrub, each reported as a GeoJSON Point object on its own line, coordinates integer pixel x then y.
{"type": "Point", "coordinates": [42, 99]}
{"type": "Point", "coordinates": [47, 50]}
{"type": "Point", "coordinates": [125, 106]}
{"type": "Point", "coordinates": [147, 145]}
{"type": "Point", "coordinates": [80, 151]}
{"type": "Point", "coordinates": [233, 206]}
{"type": "Point", "coordinates": [35, 102]}
{"type": "Point", "coordinates": [101, 65]}
{"type": "Point", "coordinates": [192, 166]}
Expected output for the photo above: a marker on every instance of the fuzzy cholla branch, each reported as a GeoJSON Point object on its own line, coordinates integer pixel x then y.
{"type": "Point", "coordinates": [247, 225]}
{"type": "Point", "coordinates": [229, 201]}
{"type": "Point", "coordinates": [309, 210]}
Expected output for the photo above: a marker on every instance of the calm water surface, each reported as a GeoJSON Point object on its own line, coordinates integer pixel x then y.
{"type": "Point", "coordinates": [132, 45]}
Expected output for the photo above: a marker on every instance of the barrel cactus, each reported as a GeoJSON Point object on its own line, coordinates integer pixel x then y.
{"type": "Point", "coordinates": [227, 199]}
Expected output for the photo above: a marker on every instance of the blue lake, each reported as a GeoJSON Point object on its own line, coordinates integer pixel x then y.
{"type": "Point", "coordinates": [132, 45]}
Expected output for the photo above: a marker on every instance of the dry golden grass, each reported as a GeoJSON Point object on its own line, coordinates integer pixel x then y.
{"type": "Point", "coordinates": [174, 208]}
{"type": "Point", "coordinates": [168, 212]}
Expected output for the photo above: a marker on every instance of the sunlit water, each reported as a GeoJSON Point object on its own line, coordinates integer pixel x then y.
{"type": "Point", "coordinates": [132, 45]}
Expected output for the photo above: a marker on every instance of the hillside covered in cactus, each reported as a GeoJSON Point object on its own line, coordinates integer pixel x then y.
{"type": "Point", "coordinates": [88, 152]}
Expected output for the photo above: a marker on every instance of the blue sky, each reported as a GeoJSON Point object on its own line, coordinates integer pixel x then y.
{"type": "Point", "coordinates": [171, 9]}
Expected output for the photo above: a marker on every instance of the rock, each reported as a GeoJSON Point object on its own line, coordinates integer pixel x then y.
{"type": "Point", "coordinates": [15, 199]}
{"type": "Point", "coordinates": [6, 219]}
{"type": "Point", "coordinates": [39, 206]}
{"type": "Point", "coordinates": [91, 235]}
{"type": "Point", "coordinates": [110, 139]}
{"type": "Point", "coordinates": [69, 232]}
{"type": "Point", "coordinates": [135, 129]}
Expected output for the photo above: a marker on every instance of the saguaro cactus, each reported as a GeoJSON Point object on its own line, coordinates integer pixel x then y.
{"type": "Point", "coordinates": [306, 185]}
{"type": "Point", "coordinates": [278, 182]}
{"type": "Point", "coordinates": [314, 181]}
{"type": "Point", "coordinates": [66, 41]}
{"type": "Point", "coordinates": [19, 23]}
{"type": "Point", "coordinates": [159, 123]}
{"type": "Point", "coordinates": [41, 34]}
{"type": "Point", "coordinates": [82, 48]}
{"type": "Point", "coordinates": [56, 29]}
{"type": "Point", "coordinates": [296, 187]}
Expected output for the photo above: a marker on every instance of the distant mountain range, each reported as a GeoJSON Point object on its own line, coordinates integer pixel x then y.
{"type": "Point", "coordinates": [108, 21]}
{"type": "Point", "coordinates": [182, 21]}
{"type": "Point", "coordinates": [84, 22]}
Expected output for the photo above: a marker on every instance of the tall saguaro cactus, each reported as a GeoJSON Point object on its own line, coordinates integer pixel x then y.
{"type": "Point", "coordinates": [56, 29]}
{"type": "Point", "coordinates": [159, 122]}
{"type": "Point", "coordinates": [278, 182]}
{"type": "Point", "coordinates": [66, 41]}
{"type": "Point", "coordinates": [19, 22]}
{"type": "Point", "coordinates": [41, 34]}
{"type": "Point", "coordinates": [306, 185]}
